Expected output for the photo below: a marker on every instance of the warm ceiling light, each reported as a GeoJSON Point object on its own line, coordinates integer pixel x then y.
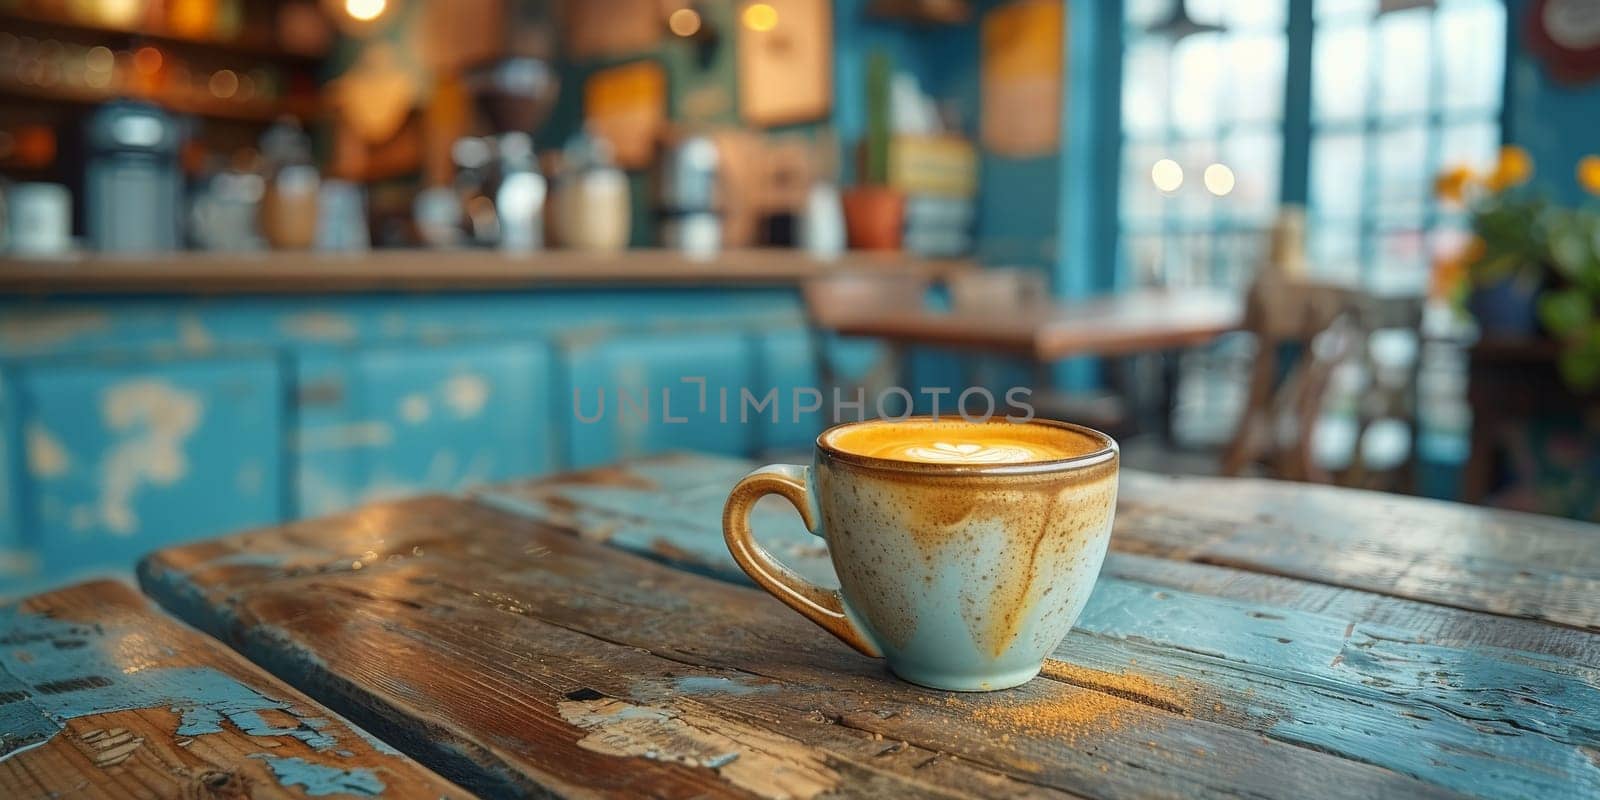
{"type": "Point", "coordinates": [760, 17]}
{"type": "Point", "coordinates": [365, 10]}
{"type": "Point", "coordinates": [117, 13]}
{"type": "Point", "coordinates": [684, 22]}
{"type": "Point", "coordinates": [1167, 175]}
{"type": "Point", "coordinates": [1219, 179]}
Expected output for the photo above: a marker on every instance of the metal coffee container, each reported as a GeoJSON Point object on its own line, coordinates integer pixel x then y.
{"type": "Point", "coordinates": [132, 183]}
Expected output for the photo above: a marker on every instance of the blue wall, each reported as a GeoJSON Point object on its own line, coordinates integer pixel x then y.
{"type": "Point", "coordinates": [1558, 123]}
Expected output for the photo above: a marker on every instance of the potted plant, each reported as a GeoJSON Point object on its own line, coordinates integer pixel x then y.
{"type": "Point", "coordinates": [874, 213]}
{"type": "Point", "coordinates": [1505, 264]}
{"type": "Point", "coordinates": [1570, 310]}
{"type": "Point", "coordinates": [1532, 268]}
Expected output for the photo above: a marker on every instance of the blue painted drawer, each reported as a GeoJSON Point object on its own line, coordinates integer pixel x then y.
{"type": "Point", "coordinates": [392, 420]}
{"type": "Point", "coordinates": [122, 459]}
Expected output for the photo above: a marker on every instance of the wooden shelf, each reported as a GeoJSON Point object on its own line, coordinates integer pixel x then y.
{"type": "Point", "coordinates": [431, 270]}
{"type": "Point", "coordinates": [245, 110]}
{"type": "Point", "coordinates": [246, 45]}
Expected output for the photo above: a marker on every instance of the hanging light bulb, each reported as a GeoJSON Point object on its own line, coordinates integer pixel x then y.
{"type": "Point", "coordinates": [1167, 175]}
{"type": "Point", "coordinates": [760, 17]}
{"type": "Point", "coordinates": [684, 22]}
{"type": "Point", "coordinates": [1219, 179]}
{"type": "Point", "coordinates": [365, 10]}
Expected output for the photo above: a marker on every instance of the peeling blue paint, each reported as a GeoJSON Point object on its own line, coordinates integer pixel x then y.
{"type": "Point", "coordinates": [319, 780]}
{"type": "Point", "coordinates": [1487, 721]}
{"type": "Point", "coordinates": [494, 368]}
{"type": "Point", "coordinates": [703, 684]}
{"type": "Point", "coordinates": [53, 671]}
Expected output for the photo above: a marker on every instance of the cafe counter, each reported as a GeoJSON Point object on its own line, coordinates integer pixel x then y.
{"type": "Point", "coordinates": [151, 401]}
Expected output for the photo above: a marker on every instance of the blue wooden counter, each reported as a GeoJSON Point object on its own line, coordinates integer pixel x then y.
{"type": "Point", "coordinates": [146, 403]}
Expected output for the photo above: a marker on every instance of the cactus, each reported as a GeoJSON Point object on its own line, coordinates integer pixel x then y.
{"type": "Point", "coordinates": [879, 71]}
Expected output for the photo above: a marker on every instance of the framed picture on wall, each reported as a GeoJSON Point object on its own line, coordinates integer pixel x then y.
{"type": "Point", "coordinates": [785, 61]}
{"type": "Point", "coordinates": [627, 105]}
{"type": "Point", "coordinates": [1022, 78]}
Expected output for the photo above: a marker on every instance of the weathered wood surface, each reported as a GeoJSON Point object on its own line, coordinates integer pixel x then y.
{"type": "Point", "coordinates": [518, 658]}
{"type": "Point", "coordinates": [103, 696]}
{"type": "Point", "coordinates": [669, 508]}
{"type": "Point", "coordinates": [1502, 562]}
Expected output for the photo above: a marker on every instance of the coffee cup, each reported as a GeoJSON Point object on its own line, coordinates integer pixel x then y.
{"type": "Point", "coordinates": [964, 550]}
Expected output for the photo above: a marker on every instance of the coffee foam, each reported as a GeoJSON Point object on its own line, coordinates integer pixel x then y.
{"type": "Point", "coordinates": [960, 442]}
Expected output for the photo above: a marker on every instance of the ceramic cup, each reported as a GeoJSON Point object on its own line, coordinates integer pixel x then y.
{"type": "Point", "coordinates": [964, 576]}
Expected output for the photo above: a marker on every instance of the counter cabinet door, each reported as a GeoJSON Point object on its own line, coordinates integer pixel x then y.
{"type": "Point", "coordinates": [17, 563]}
{"type": "Point", "coordinates": [641, 393]}
{"type": "Point", "coordinates": [122, 459]}
{"type": "Point", "coordinates": [393, 420]}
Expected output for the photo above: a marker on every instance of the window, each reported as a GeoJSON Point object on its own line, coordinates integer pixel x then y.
{"type": "Point", "coordinates": [1210, 98]}
{"type": "Point", "coordinates": [1395, 98]}
{"type": "Point", "coordinates": [1378, 94]}
{"type": "Point", "coordinates": [1398, 89]}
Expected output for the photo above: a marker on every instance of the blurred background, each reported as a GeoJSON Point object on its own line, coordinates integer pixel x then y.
{"type": "Point", "coordinates": [268, 260]}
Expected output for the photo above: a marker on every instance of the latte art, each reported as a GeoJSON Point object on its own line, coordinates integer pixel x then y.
{"type": "Point", "coordinates": [958, 443]}
{"type": "Point", "coordinates": [966, 453]}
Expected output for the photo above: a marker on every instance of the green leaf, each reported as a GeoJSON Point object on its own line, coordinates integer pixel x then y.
{"type": "Point", "coordinates": [1580, 367]}
{"type": "Point", "coordinates": [1565, 312]}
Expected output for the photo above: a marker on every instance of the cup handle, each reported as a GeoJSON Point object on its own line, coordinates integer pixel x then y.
{"type": "Point", "coordinates": [819, 604]}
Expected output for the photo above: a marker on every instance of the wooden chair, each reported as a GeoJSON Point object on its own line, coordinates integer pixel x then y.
{"type": "Point", "coordinates": [1333, 327]}
{"type": "Point", "coordinates": [836, 298]}
{"type": "Point", "coordinates": [1389, 393]}
{"type": "Point", "coordinates": [1023, 291]}
{"type": "Point", "coordinates": [1281, 410]}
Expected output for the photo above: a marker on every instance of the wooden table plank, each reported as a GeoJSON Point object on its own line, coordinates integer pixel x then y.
{"type": "Point", "coordinates": [102, 696]}
{"type": "Point", "coordinates": [1502, 562]}
{"type": "Point", "coordinates": [1177, 684]}
{"type": "Point", "coordinates": [1293, 645]}
{"type": "Point", "coordinates": [1132, 322]}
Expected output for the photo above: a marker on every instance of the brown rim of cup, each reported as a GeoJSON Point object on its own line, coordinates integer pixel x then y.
{"type": "Point", "coordinates": [1107, 451]}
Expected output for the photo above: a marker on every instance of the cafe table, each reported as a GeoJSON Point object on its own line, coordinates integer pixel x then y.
{"type": "Point", "coordinates": [1139, 321]}
{"type": "Point", "coordinates": [1159, 321]}
{"type": "Point", "coordinates": [586, 635]}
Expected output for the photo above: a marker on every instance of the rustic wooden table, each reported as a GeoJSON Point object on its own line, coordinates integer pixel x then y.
{"type": "Point", "coordinates": [588, 635]}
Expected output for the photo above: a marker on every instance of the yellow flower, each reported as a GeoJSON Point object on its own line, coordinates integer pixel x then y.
{"type": "Point", "coordinates": [1452, 184]}
{"type": "Point", "coordinates": [1589, 174]}
{"type": "Point", "coordinates": [1514, 169]}
{"type": "Point", "coordinates": [1451, 272]}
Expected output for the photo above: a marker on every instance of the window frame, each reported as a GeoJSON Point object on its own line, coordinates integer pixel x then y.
{"type": "Point", "coordinates": [1299, 128]}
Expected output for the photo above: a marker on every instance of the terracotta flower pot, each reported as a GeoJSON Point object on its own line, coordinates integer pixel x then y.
{"type": "Point", "coordinates": [874, 217]}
